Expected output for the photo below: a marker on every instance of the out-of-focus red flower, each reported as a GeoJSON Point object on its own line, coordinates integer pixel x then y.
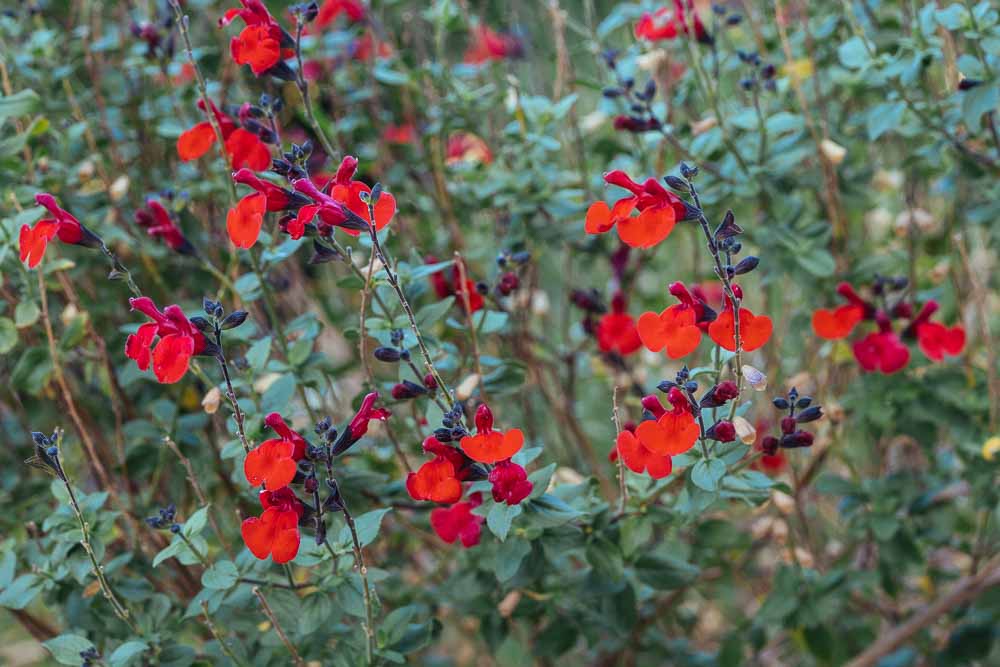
{"type": "Point", "coordinates": [510, 483]}
{"type": "Point", "coordinates": [184, 76]}
{"type": "Point", "coordinates": [639, 459]}
{"type": "Point", "coordinates": [405, 133]}
{"type": "Point", "coordinates": [659, 210]}
{"type": "Point", "coordinates": [672, 432]}
{"type": "Point", "coordinates": [276, 532]}
{"type": "Point", "coordinates": [616, 331]}
{"type": "Point", "coordinates": [330, 10]}
{"type": "Point", "coordinates": [467, 148]}
{"type": "Point", "coordinates": [34, 240]}
{"type": "Point", "coordinates": [436, 481]}
{"type": "Point", "coordinates": [836, 323]}
{"type": "Point", "coordinates": [343, 192]}
{"type": "Point", "coordinates": [179, 340]}
{"type": "Point", "coordinates": [677, 329]}
{"type": "Point", "coordinates": [669, 22]}
{"type": "Point", "coordinates": [244, 148]}
{"type": "Point", "coordinates": [156, 220]}
{"type": "Point", "coordinates": [773, 460]}
{"type": "Point", "coordinates": [263, 43]}
{"type": "Point", "coordinates": [937, 340]}
{"type": "Point", "coordinates": [485, 45]}
{"type": "Point", "coordinates": [882, 351]}
{"type": "Point", "coordinates": [489, 446]}
{"type": "Point", "coordinates": [243, 222]}
{"type": "Point", "coordinates": [755, 330]}
{"type": "Point", "coordinates": [458, 522]}
{"type": "Point", "coordinates": [365, 47]}
{"type": "Point", "coordinates": [443, 287]}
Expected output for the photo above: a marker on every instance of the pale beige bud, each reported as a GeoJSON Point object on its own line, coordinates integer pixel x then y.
{"type": "Point", "coordinates": [210, 403]}
{"type": "Point", "coordinates": [119, 188]}
{"type": "Point", "coordinates": [744, 430]}
{"type": "Point", "coordinates": [832, 151]}
{"type": "Point", "coordinates": [704, 125]}
{"type": "Point", "coordinates": [509, 604]}
{"type": "Point", "coordinates": [756, 378]}
{"type": "Point", "coordinates": [464, 390]}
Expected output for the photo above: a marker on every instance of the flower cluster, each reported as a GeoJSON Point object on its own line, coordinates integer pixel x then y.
{"type": "Point", "coordinates": [884, 350]}
{"type": "Point", "coordinates": [156, 220]}
{"type": "Point", "coordinates": [658, 210]}
{"type": "Point", "coordinates": [34, 240]}
{"type": "Point", "coordinates": [792, 437]}
{"type": "Point", "coordinates": [244, 147]}
{"type": "Point", "coordinates": [263, 44]}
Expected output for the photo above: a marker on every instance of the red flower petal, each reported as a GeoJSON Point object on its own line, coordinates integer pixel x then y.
{"type": "Point", "coordinates": [34, 240]}
{"type": "Point", "coordinates": [195, 142]}
{"type": "Point", "coordinates": [256, 46]}
{"type": "Point", "coordinates": [616, 332]}
{"type": "Point", "coordinates": [599, 218]}
{"type": "Point", "coordinates": [435, 481]}
{"type": "Point", "coordinates": [245, 149]}
{"type": "Point", "coordinates": [673, 329]}
{"type": "Point", "coordinates": [137, 345]}
{"type": "Point", "coordinates": [755, 330]}
{"type": "Point", "coordinates": [244, 222]}
{"type": "Point", "coordinates": [672, 434]}
{"type": "Point", "coordinates": [648, 228]}
{"type": "Point", "coordinates": [171, 357]}
{"type": "Point", "coordinates": [493, 446]}
{"type": "Point", "coordinates": [837, 323]}
{"type": "Point", "coordinates": [936, 340]}
{"type": "Point", "coordinates": [638, 459]}
{"type": "Point", "coordinates": [271, 464]}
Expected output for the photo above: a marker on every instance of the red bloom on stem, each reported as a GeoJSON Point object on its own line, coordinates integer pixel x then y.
{"type": "Point", "coordinates": [157, 222]}
{"type": "Point", "coordinates": [639, 459]}
{"type": "Point", "coordinates": [510, 483]}
{"type": "Point", "coordinates": [836, 323]}
{"type": "Point", "coordinates": [276, 532]}
{"type": "Point", "coordinates": [354, 10]}
{"type": "Point", "coordinates": [179, 340]}
{"type": "Point", "coordinates": [882, 351]}
{"type": "Point", "coordinates": [365, 47]}
{"type": "Point", "coordinates": [244, 148]}
{"type": "Point", "coordinates": [458, 522]}
{"type": "Point", "coordinates": [405, 133]}
{"type": "Point", "coordinates": [263, 43]}
{"type": "Point", "coordinates": [937, 340]}
{"type": "Point", "coordinates": [489, 446]}
{"type": "Point", "coordinates": [243, 222]}
{"type": "Point", "coordinates": [277, 423]}
{"type": "Point", "coordinates": [673, 432]}
{"type": "Point", "coordinates": [616, 331]}
{"type": "Point", "coordinates": [487, 45]}
{"type": "Point", "coordinates": [34, 240]}
{"type": "Point", "coordinates": [755, 330]}
{"type": "Point", "coordinates": [677, 330]}
{"type": "Point", "coordinates": [444, 287]}
{"type": "Point", "coordinates": [466, 147]}
{"type": "Point", "coordinates": [669, 22]}
{"type": "Point", "coordinates": [271, 464]}
{"type": "Point", "coordinates": [343, 192]}
{"type": "Point", "coordinates": [659, 210]}
{"type": "Point", "coordinates": [278, 198]}
{"type": "Point", "coordinates": [436, 481]}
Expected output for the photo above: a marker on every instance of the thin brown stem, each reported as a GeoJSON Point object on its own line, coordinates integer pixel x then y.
{"type": "Point", "coordinates": [296, 658]}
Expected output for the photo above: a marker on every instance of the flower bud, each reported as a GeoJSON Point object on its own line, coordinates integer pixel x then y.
{"type": "Point", "coordinates": [387, 354]}
{"type": "Point", "coordinates": [723, 431]}
{"type": "Point", "coordinates": [809, 414]}
{"type": "Point", "coordinates": [406, 390]}
{"type": "Point", "coordinates": [746, 265]}
{"type": "Point", "coordinates": [788, 425]}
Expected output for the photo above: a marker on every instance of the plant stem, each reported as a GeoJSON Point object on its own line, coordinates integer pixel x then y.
{"type": "Point", "coordinates": [120, 270]}
{"type": "Point", "coordinates": [218, 636]}
{"type": "Point", "coordinates": [193, 479]}
{"type": "Point", "coordinates": [296, 658]}
{"type": "Point", "coordinates": [231, 395]}
{"type": "Point", "coordinates": [463, 287]}
{"type": "Point", "coordinates": [359, 564]}
{"type": "Point", "coordinates": [622, 489]}
{"type": "Point", "coordinates": [300, 83]}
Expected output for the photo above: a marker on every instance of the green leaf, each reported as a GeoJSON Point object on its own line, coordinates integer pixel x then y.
{"type": "Point", "coordinates": [433, 312]}
{"type": "Point", "coordinates": [499, 518]}
{"type": "Point", "coordinates": [853, 54]}
{"type": "Point", "coordinates": [883, 118]}
{"type": "Point", "coordinates": [195, 523]}
{"type": "Point", "coordinates": [26, 314]}
{"type": "Point", "coordinates": [8, 335]}
{"type": "Point", "coordinates": [169, 551]}
{"type": "Point", "coordinates": [367, 525]}
{"type": "Point", "coordinates": [390, 77]}
{"type": "Point", "coordinates": [979, 100]}
{"type": "Point", "coordinates": [258, 353]}
{"type": "Point", "coordinates": [278, 394]}
{"type": "Point", "coordinates": [21, 103]}
{"type": "Point", "coordinates": [509, 557]}
{"type": "Point", "coordinates": [706, 474]}
{"type": "Point", "coordinates": [125, 653]}
{"type": "Point", "coordinates": [21, 592]}
{"type": "Point", "coordinates": [221, 576]}
{"type": "Point", "coordinates": [665, 573]}
{"type": "Point", "coordinates": [540, 480]}
{"type": "Point", "coordinates": [66, 649]}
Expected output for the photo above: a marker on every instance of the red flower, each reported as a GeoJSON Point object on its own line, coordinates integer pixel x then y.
{"type": "Point", "coordinates": [435, 481]}
{"type": "Point", "coordinates": [354, 10]}
{"type": "Point", "coordinates": [34, 240]}
{"type": "Point", "coordinates": [158, 223]}
{"type": "Point", "coordinates": [277, 423]}
{"type": "Point", "coordinates": [489, 446]}
{"type": "Point", "coordinates": [937, 340]}
{"type": "Point", "coordinates": [837, 323]}
{"type": "Point", "coordinates": [639, 459]}
{"type": "Point", "coordinates": [444, 287]}
{"type": "Point", "coordinates": [458, 522]}
{"type": "Point", "coordinates": [244, 148]}
{"type": "Point", "coordinates": [260, 44]}
{"type": "Point", "coordinates": [678, 328]}
{"type": "Point", "coordinates": [179, 340]}
{"type": "Point", "coordinates": [668, 23]}
{"type": "Point", "coordinates": [616, 331]}
{"type": "Point", "coordinates": [271, 464]}
{"type": "Point", "coordinates": [243, 222]}
{"type": "Point", "coordinates": [359, 425]}
{"type": "Point", "coordinates": [755, 330]}
{"type": "Point", "coordinates": [276, 532]}
{"type": "Point", "coordinates": [400, 134]}
{"type": "Point", "coordinates": [659, 210]}
{"type": "Point", "coordinates": [882, 351]}
{"type": "Point", "coordinates": [278, 198]}
{"type": "Point", "coordinates": [344, 192]}
{"type": "Point", "coordinates": [486, 44]}
{"type": "Point", "coordinates": [468, 148]}
{"type": "Point", "coordinates": [673, 432]}
{"type": "Point", "coordinates": [510, 483]}
{"type": "Point", "coordinates": [366, 46]}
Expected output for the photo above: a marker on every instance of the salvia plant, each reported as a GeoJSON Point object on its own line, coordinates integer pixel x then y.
{"type": "Point", "coordinates": [500, 333]}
